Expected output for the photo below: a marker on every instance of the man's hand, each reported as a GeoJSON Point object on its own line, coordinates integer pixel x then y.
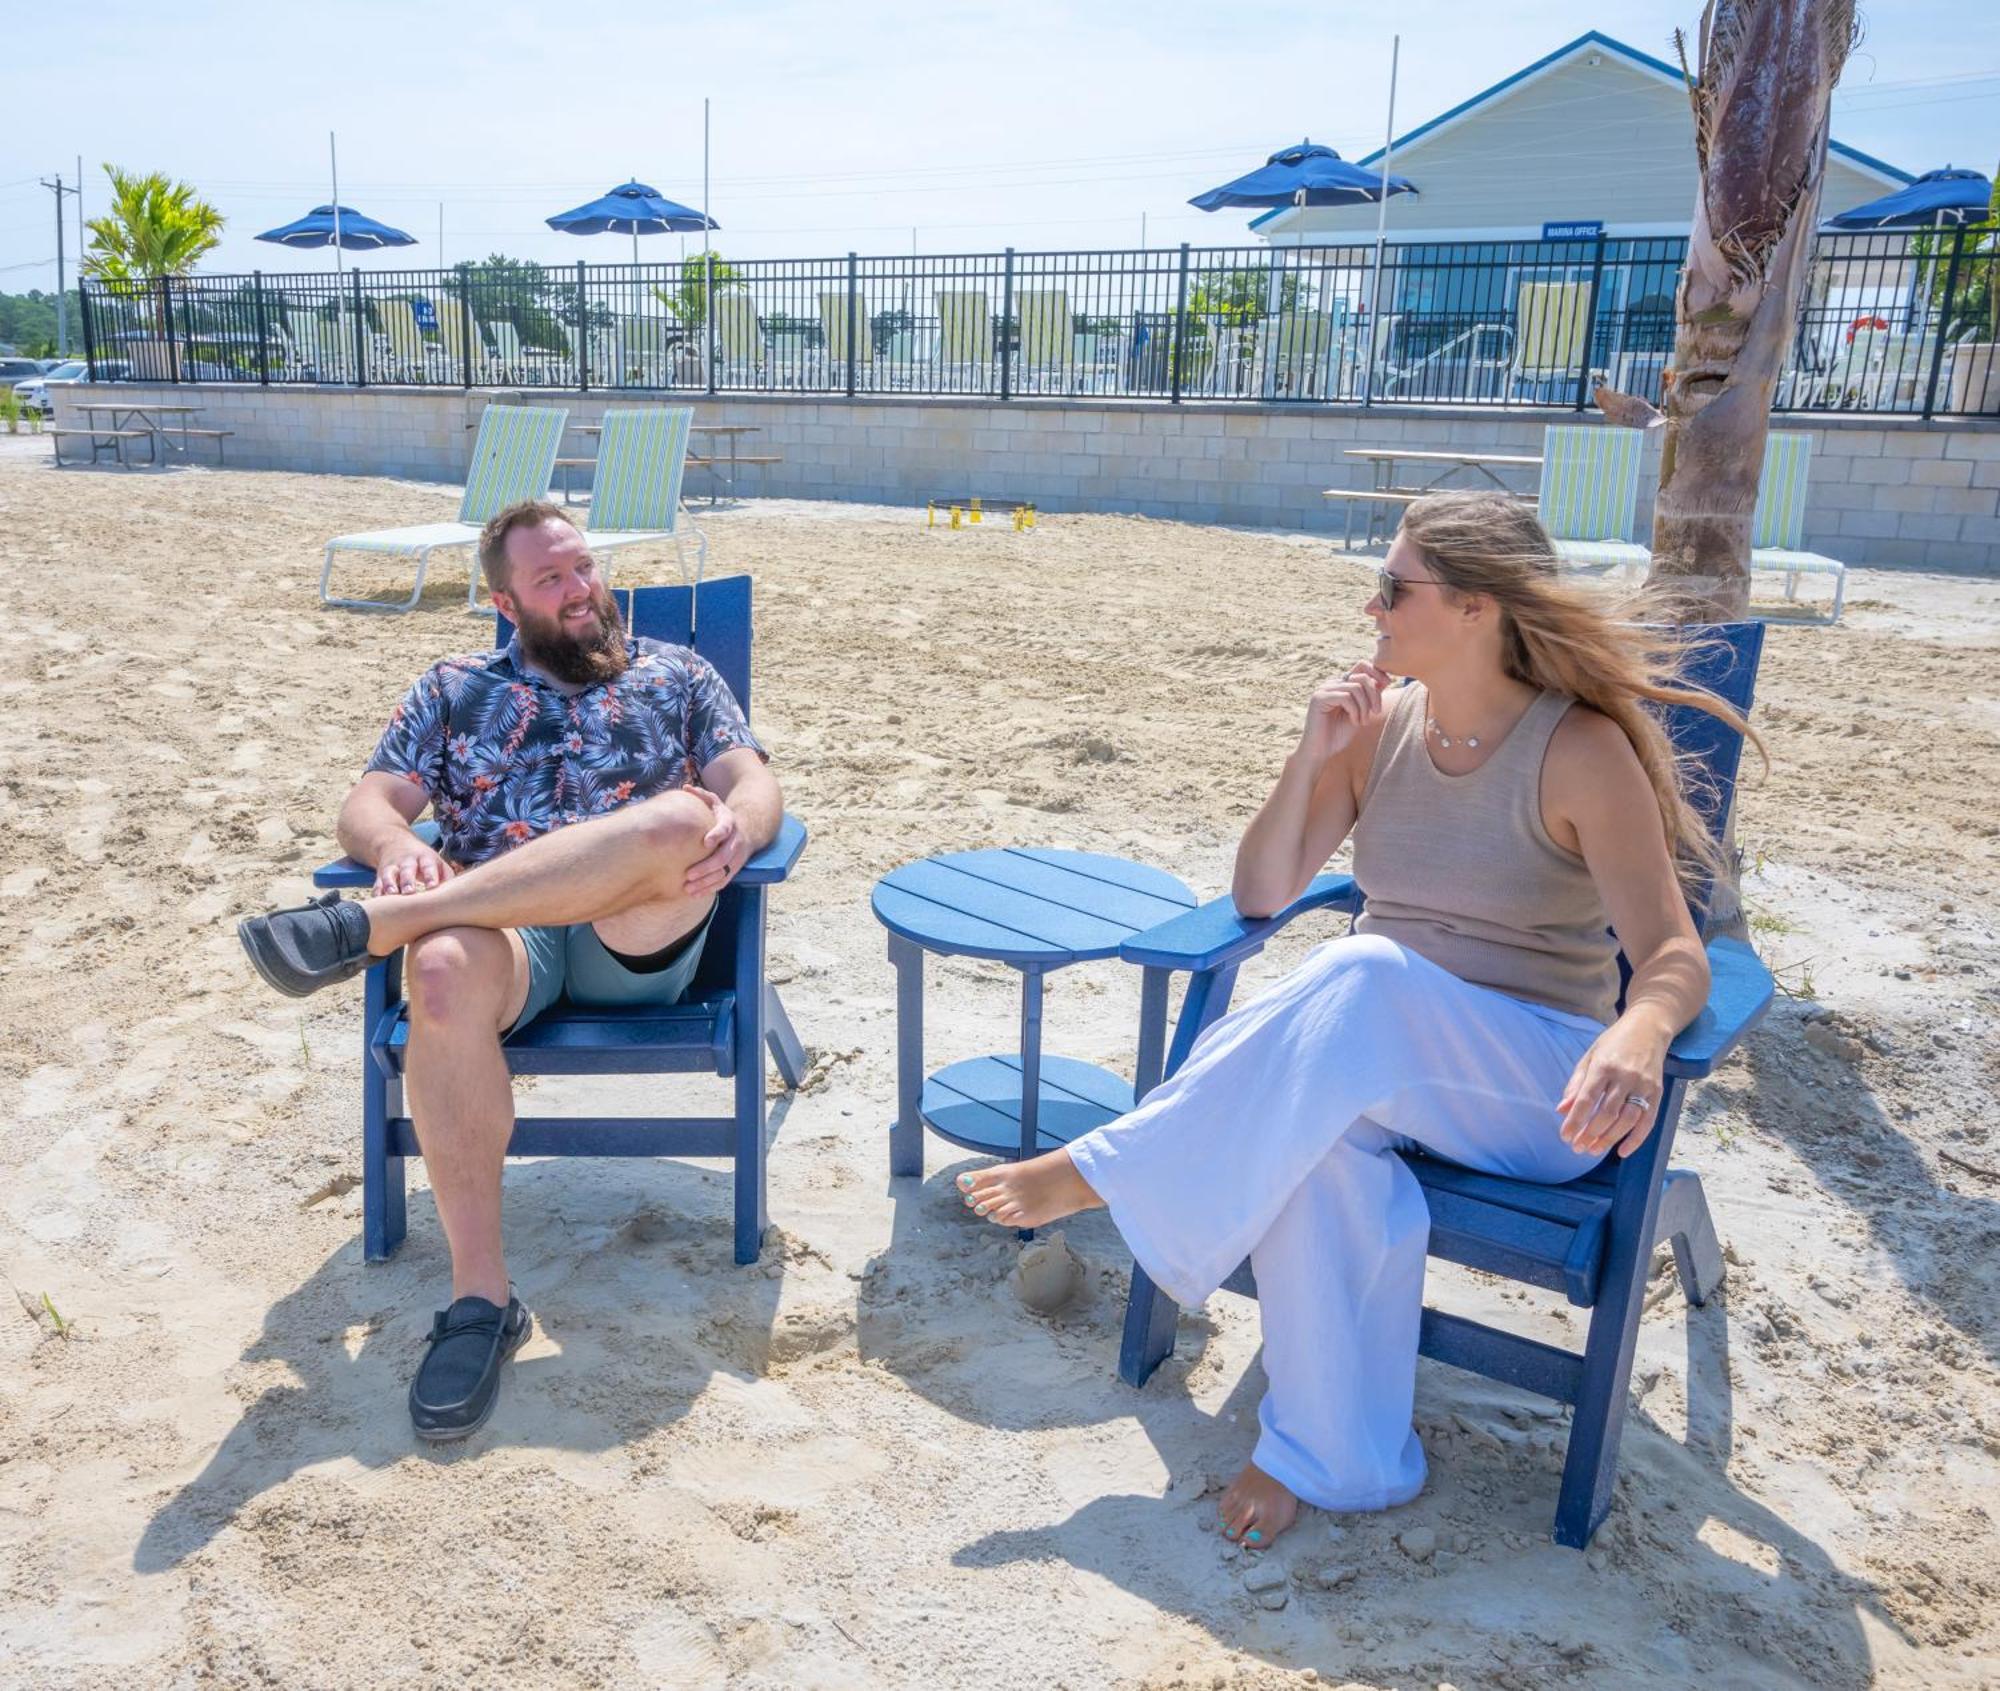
{"type": "Point", "coordinates": [728, 849]}
{"type": "Point", "coordinates": [411, 867]}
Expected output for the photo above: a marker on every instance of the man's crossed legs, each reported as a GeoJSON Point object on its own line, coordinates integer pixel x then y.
{"type": "Point", "coordinates": [467, 978]}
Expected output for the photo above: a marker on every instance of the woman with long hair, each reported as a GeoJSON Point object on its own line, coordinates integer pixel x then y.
{"type": "Point", "coordinates": [1509, 807]}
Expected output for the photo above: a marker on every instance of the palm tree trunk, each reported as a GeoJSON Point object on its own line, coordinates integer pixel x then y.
{"type": "Point", "coordinates": [1761, 102]}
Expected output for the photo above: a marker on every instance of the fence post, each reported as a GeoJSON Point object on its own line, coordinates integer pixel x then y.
{"type": "Point", "coordinates": [360, 334]}
{"type": "Point", "coordinates": [89, 328]}
{"type": "Point", "coordinates": [708, 315]}
{"type": "Point", "coordinates": [167, 330]}
{"type": "Point", "coordinates": [1009, 330]}
{"type": "Point", "coordinates": [465, 322]}
{"type": "Point", "coordinates": [582, 333]}
{"type": "Point", "coordinates": [1944, 319]}
{"type": "Point", "coordinates": [263, 344]}
{"type": "Point", "coordinates": [1590, 325]}
{"type": "Point", "coordinates": [1180, 331]}
{"type": "Point", "coordinates": [853, 317]}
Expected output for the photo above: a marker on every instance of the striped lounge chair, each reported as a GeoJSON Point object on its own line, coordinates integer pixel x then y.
{"type": "Point", "coordinates": [1590, 485]}
{"type": "Point", "coordinates": [635, 494]}
{"type": "Point", "coordinates": [1778, 525]}
{"type": "Point", "coordinates": [513, 456]}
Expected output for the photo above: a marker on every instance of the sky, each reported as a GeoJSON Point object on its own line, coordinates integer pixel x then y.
{"type": "Point", "coordinates": [877, 126]}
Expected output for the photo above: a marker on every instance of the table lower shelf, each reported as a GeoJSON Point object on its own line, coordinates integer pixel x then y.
{"type": "Point", "coordinates": [977, 1103]}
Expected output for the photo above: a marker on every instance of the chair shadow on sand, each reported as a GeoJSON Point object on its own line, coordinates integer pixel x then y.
{"type": "Point", "coordinates": [1724, 1550]}
{"type": "Point", "coordinates": [1937, 1238]}
{"type": "Point", "coordinates": [627, 1267]}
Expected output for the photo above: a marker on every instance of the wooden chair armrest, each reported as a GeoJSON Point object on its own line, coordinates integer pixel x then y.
{"type": "Point", "coordinates": [1215, 934]}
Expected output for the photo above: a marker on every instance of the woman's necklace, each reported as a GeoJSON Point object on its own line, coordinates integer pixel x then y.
{"type": "Point", "coordinates": [1444, 739]}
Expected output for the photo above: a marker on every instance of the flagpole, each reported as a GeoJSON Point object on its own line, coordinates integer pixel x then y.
{"type": "Point", "coordinates": [1381, 229]}
{"type": "Point", "coordinates": [333, 159]}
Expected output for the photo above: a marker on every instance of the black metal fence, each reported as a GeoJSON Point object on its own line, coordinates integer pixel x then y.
{"type": "Point", "coordinates": [1889, 323]}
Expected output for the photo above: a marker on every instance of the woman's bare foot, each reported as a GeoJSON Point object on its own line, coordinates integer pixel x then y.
{"type": "Point", "coordinates": [1028, 1194]}
{"type": "Point", "coordinates": [1256, 1509]}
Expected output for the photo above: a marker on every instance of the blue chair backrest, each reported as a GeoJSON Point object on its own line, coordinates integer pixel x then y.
{"type": "Point", "coordinates": [721, 631]}
{"type": "Point", "coordinates": [1724, 662]}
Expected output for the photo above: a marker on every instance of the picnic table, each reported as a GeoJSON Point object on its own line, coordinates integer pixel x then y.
{"type": "Point", "coordinates": [722, 470]}
{"type": "Point", "coordinates": [1036, 911]}
{"type": "Point", "coordinates": [152, 421]}
{"type": "Point", "coordinates": [1386, 492]}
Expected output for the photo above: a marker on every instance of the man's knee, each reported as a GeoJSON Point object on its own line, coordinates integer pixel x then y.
{"type": "Point", "coordinates": [456, 974]}
{"type": "Point", "coordinates": [673, 823]}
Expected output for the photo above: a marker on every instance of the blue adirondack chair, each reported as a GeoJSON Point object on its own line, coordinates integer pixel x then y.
{"type": "Point", "coordinates": [729, 1014]}
{"type": "Point", "coordinates": [1590, 1239]}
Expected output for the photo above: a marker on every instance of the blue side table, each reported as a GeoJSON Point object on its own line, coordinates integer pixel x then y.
{"type": "Point", "coordinates": [1036, 911]}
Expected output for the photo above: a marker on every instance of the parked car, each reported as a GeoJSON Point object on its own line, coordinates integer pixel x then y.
{"type": "Point", "coordinates": [14, 370]}
{"type": "Point", "coordinates": [34, 393]}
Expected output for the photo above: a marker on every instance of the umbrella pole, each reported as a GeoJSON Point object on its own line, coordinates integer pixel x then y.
{"type": "Point", "coordinates": [1381, 230]}
{"type": "Point", "coordinates": [707, 263]}
{"type": "Point", "coordinates": [333, 159]}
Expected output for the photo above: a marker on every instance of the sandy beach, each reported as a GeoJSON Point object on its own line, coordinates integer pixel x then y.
{"type": "Point", "coordinates": [863, 1463]}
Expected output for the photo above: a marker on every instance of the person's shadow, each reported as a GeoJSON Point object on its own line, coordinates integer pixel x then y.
{"type": "Point", "coordinates": [627, 1267]}
{"type": "Point", "coordinates": [1708, 1538]}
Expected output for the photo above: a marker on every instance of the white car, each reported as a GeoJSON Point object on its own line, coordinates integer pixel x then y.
{"type": "Point", "coordinates": [34, 392]}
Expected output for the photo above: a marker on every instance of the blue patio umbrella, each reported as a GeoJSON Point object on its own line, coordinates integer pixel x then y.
{"type": "Point", "coordinates": [634, 210]}
{"type": "Point", "coordinates": [356, 233]}
{"type": "Point", "coordinates": [1303, 175]}
{"type": "Point", "coordinates": [1937, 199]}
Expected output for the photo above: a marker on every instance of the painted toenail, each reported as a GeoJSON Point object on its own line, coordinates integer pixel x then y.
{"type": "Point", "coordinates": [965, 1183]}
{"type": "Point", "coordinates": [1253, 1533]}
{"type": "Point", "coordinates": [980, 1209]}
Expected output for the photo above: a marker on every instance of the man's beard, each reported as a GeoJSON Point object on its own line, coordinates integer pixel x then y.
{"type": "Point", "coordinates": [580, 654]}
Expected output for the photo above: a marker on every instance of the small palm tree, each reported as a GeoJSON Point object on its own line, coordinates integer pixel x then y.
{"type": "Point", "coordinates": [156, 227]}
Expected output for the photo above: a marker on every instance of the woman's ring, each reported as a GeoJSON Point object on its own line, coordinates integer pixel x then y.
{"type": "Point", "coordinates": [1638, 1101]}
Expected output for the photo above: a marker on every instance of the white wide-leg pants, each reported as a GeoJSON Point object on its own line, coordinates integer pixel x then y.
{"type": "Point", "coordinates": [1277, 1141]}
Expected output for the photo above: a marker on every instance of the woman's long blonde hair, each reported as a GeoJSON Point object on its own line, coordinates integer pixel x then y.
{"type": "Point", "coordinates": [1561, 639]}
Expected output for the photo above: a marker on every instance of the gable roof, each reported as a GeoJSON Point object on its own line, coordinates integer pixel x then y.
{"type": "Point", "coordinates": [1589, 40]}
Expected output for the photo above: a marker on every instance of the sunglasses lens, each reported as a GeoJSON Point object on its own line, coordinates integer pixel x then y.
{"type": "Point", "coordinates": [1385, 584]}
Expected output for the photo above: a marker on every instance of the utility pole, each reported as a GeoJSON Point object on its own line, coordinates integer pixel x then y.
{"type": "Point", "coordinates": [58, 188]}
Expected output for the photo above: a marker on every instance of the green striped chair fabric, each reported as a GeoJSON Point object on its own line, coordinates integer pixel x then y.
{"type": "Point", "coordinates": [1780, 517]}
{"type": "Point", "coordinates": [513, 457]}
{"type": "Point", "coordinates": [1778, 524]}
{"type": "Point", "coordinates": [1590, 482]}
{"type": "Point", "coordinates": [641, 459]}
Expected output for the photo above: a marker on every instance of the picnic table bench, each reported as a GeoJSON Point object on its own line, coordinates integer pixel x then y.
{"type": "Point", "coordinates": [170, 425]}
{"type": "Point", "coordinates": [111, 440]}
{"type": "Point", "coordinates": [1387, 492]}
{"type": "Point", "coordinates": [722, 467]}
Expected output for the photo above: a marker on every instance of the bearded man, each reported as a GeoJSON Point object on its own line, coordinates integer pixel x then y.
{"type": "Point", "coordinates": [594, 793]}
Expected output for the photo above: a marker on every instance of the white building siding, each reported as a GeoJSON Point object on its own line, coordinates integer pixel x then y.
{"type": "Point", "coordinates": [1609, 141]}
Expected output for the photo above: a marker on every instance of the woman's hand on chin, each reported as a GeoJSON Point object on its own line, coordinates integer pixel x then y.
{"type": "Point", "coordinates": [1613, 1098]}
{"type": "Point", "coordinates": [1340, 707]}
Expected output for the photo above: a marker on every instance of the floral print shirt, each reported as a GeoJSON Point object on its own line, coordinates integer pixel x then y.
{"type": "Point", "coordinates": [505, 755]}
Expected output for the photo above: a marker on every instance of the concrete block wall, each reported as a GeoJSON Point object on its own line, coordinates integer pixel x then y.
{"type": "Point", "coordinates": [1883, 492]}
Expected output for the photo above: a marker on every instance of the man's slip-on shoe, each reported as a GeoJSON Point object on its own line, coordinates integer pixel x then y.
{"type": "Point", "coordinates": [308, 946]}
{"type": "Point", "coordinates": [458, 1382]}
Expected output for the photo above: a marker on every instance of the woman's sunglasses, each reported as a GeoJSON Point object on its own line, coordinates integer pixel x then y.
{"type": "Point", "coordinates": [1388, 585]}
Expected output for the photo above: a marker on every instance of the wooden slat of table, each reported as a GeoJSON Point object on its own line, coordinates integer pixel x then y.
{"type": "Point", "coordinates": [940, 928]}
{"type": "Point", "coordinates": [981, 1099]}
{"type": "Point", "coordinates": [1051, 929]}
{"type": "Point", "coordinates": [1391, 453]}
{"type": "Point", "coordinates": [1108, 887]}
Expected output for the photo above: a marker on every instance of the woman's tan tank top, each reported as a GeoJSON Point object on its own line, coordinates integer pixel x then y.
{"type": "Point", "coordinates": [1460, 868]}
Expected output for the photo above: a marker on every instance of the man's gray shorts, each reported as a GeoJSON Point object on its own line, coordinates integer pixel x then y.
{"type": "Point", "coordinates": [574, 960]}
